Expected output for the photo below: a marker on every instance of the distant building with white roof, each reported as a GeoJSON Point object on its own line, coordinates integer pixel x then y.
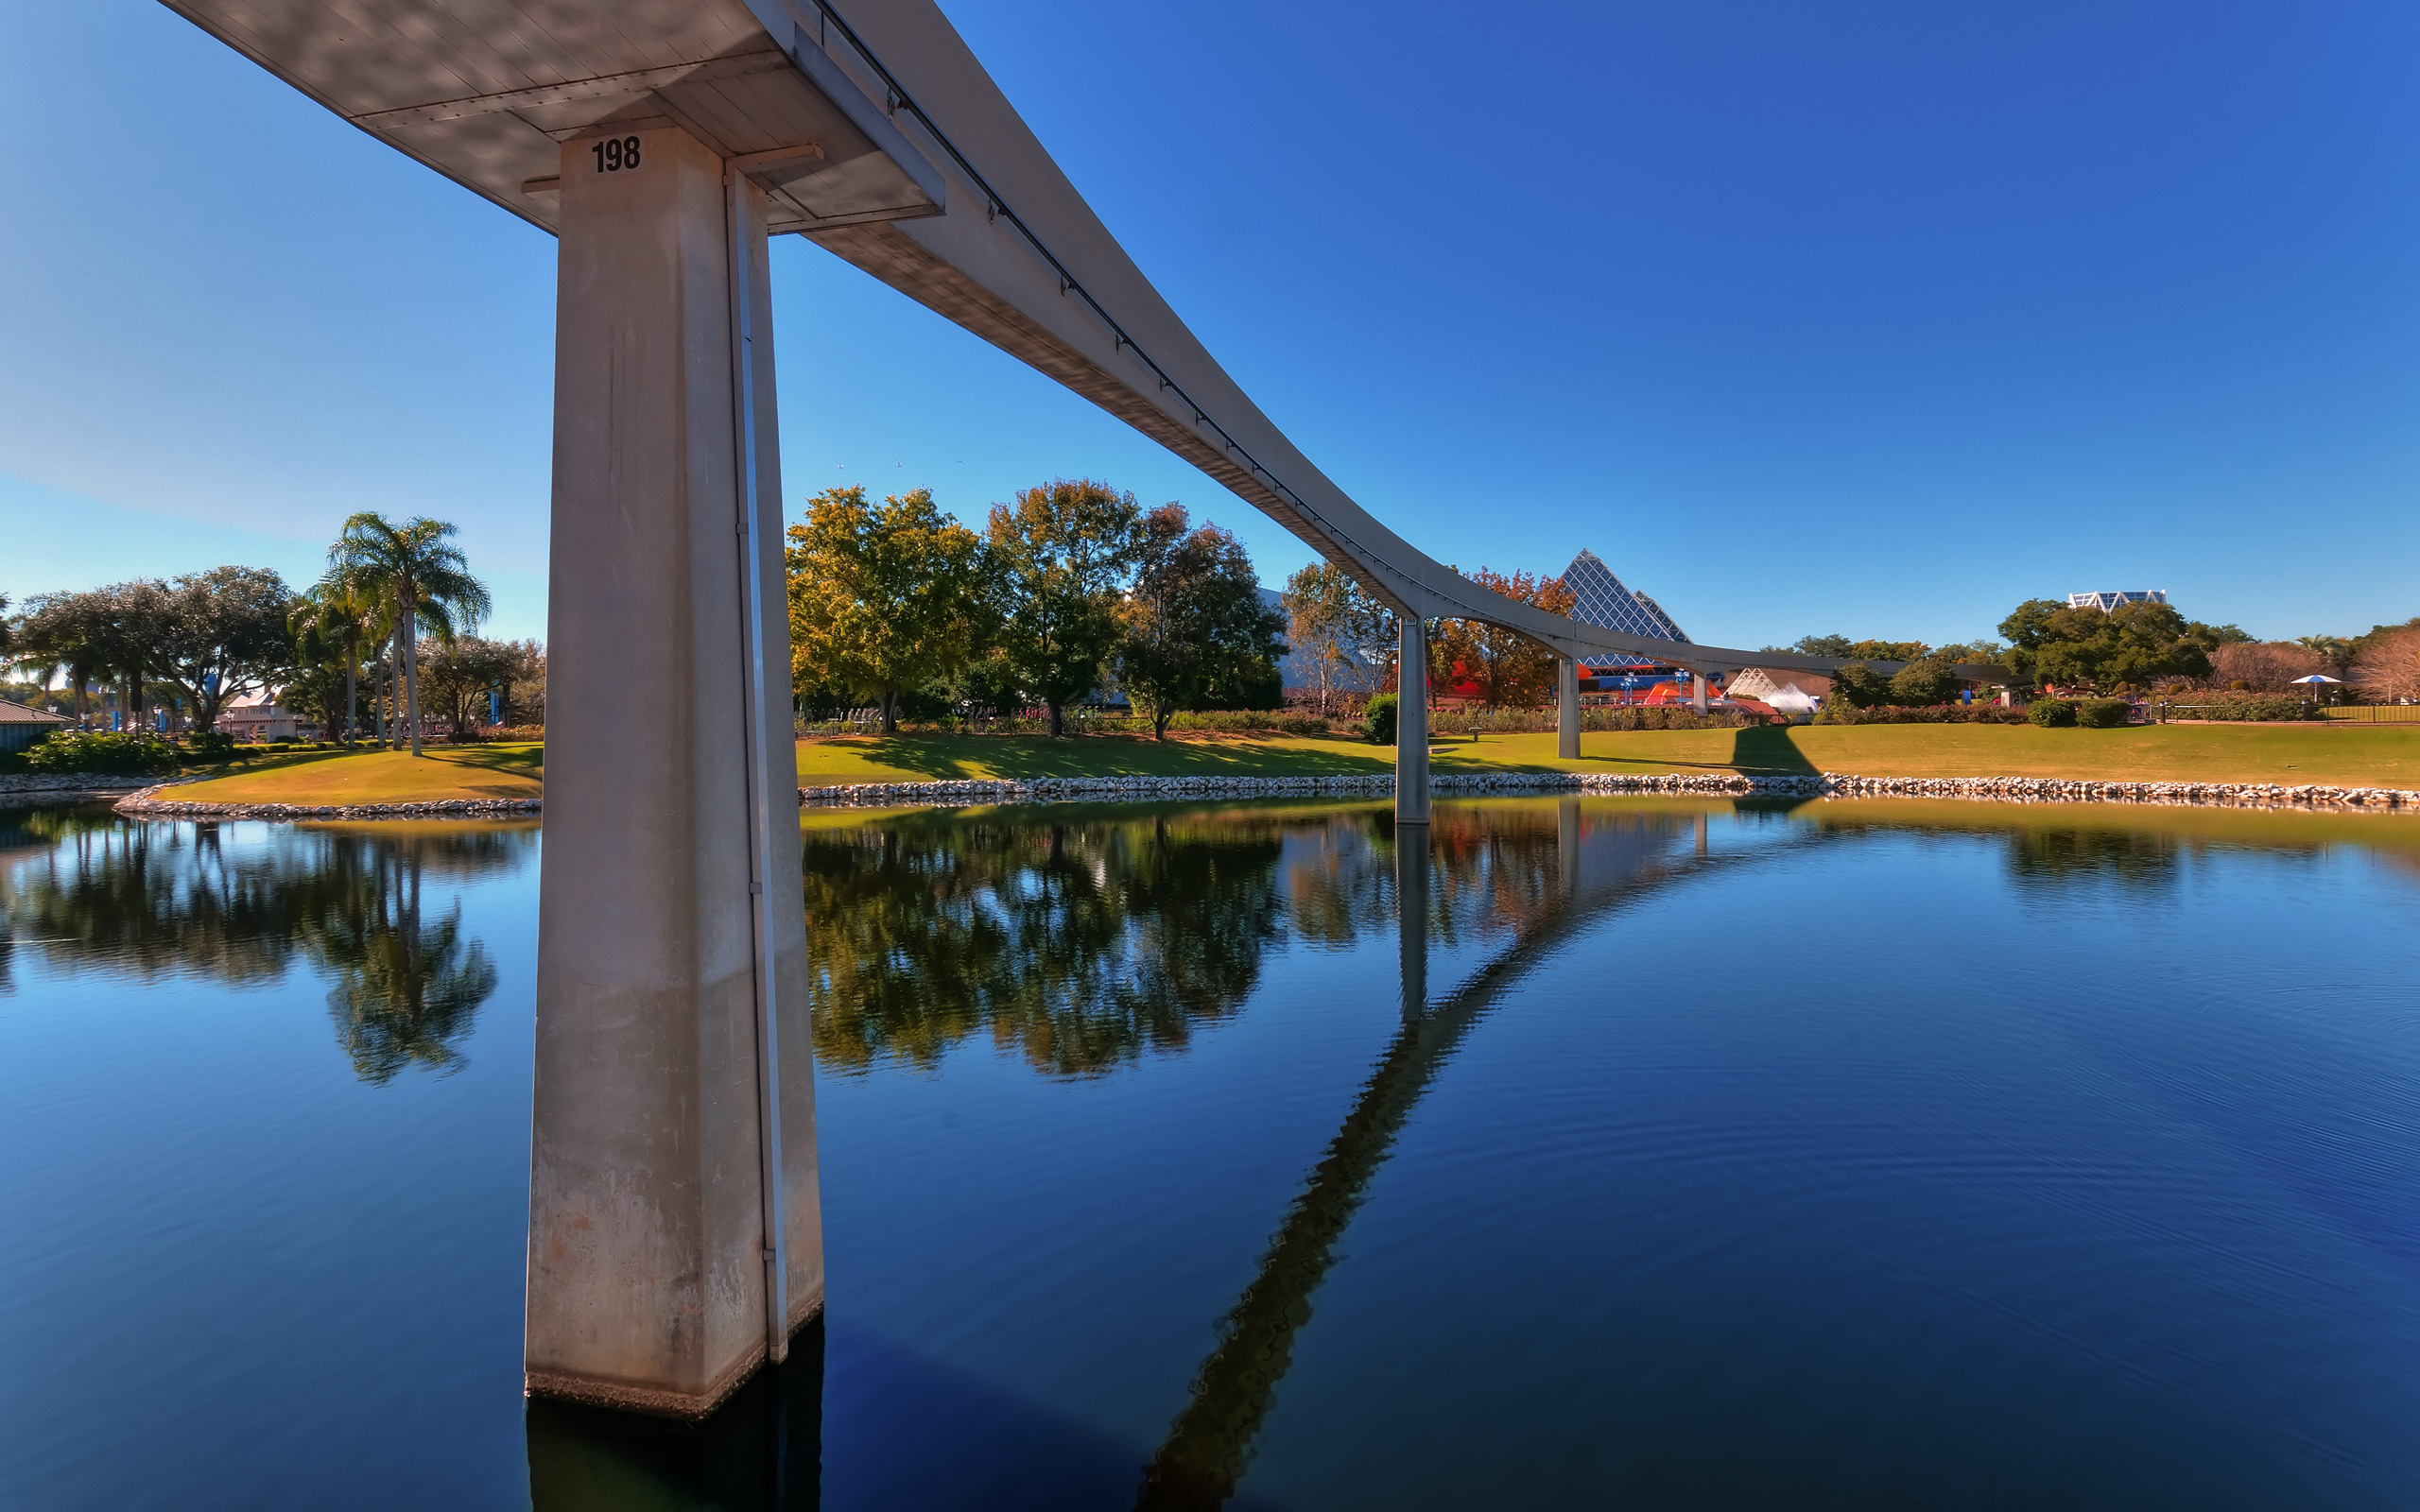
{"type": "Point", "coordinates": [2114, 598]}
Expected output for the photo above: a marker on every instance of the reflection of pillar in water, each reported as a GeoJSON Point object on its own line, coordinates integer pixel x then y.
{"type": "Point", "coordinates": [1567, 842]}
{"type": "Point", "coordinates": [1701, 837]}
{"type": "Point", "coordinates": [1412, 915]}
{"type": "Point", "coordinates": [761, 1451]}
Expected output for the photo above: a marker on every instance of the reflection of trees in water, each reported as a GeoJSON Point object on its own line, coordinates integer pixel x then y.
{"type": "Point", "coordinates": [2041, 855]}
{"type": "Point", "coordinates": [1492, 868]}
{"type": "Point", "coordinates": [153, 900]}
{"type": "Point", "coordinates": [2137, 860]}
{"type": "Point", "coordinates": [1083, 942]}
{"type": "Point", "coordinates": [406, 988]}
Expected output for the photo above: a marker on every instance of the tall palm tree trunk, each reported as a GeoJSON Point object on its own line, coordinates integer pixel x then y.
{"type": "Point", "coordinates": [409, 631]}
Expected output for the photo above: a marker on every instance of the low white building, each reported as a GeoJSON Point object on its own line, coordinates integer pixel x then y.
{"type": "Point", "coordinates": [1789, 692]}
{"type": "Point", "coordinates": [259, 716]}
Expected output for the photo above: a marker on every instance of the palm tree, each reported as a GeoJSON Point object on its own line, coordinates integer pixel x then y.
{"type": "Point", "coordinates": [338, 618]}
{"type": "Point", "coordinates": [412, 572]}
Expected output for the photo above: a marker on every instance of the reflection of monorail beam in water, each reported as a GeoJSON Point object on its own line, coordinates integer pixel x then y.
{"type": "Point", "coordinates": [1603, 868]}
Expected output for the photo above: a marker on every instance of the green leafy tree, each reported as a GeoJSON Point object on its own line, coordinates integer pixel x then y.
{"type": "Point", "coordinates": [419, 579]}
{"type": "Point", "coordinates": [1841, 645]}
{"type": "Point", "coordinates": [1924, 682]}
{"type": "Point", "coordinates": [225, 633]}
{"type": "Point", "coordinates": [460, 675]}
{"type": "Point", "coordinates": [2138, 645]}
{"type": "Point", "coordinates": [1063, 551]}
{"type": "Point", "coordinates": [1194, 623]}
{"type": "Point", "coordinates": [887, 598]}
{"type": "Point", "coordinates": [130, 622]}
{"type": "Point", "coordinates": [66, 633]}
{"type": "Point", "coordinates": [1859, 686]}
{"type": "Point", "coordinates": [335, 625]}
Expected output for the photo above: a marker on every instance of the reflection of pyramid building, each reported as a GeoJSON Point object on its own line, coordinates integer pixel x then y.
{"type": "Point", "coordinates": [1603, 601]}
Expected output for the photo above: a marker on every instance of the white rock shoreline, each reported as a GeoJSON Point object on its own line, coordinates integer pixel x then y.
{"type": "Point", "coordinates": [1824, 784]}
{"type": "Point", "coordinates": [149, 803]}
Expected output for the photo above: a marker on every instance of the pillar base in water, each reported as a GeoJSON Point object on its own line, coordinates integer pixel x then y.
{"type": "Point", "coordinates": [670, 911]}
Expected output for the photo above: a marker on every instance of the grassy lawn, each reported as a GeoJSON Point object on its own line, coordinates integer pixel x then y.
{"type": "Point", "coordinates": [2374, 755]}
{"type": "Point", "coordinates": [445, 773]}
{"type": "Point", "coordinates": [926, 758]}
{"type": "Point", "coordinates": [2348, 755]}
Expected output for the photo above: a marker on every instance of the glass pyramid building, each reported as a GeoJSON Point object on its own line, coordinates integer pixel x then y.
{"type": "Point", "coordinates": [1602, 600]}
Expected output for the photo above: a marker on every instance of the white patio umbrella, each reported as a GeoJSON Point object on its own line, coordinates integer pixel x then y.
{"type": "Point", "coordinates": [2319, 676]}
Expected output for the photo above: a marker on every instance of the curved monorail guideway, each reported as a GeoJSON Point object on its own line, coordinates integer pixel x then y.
{"type": "Point", "coordinates": [675, 1239]}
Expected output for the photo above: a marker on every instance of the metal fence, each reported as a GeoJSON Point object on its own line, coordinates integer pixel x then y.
{"type": "Point", "coordinates": [2377, 714]}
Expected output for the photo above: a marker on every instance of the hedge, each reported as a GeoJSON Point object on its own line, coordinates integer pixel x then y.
{"type": "Point", "coordinates": [1938, 713]}
{"type": "Point", "coordinates": [119, 753]}
{"type": "Point", "coordinates": [2257, 707]}
{"type": "Point", "coordinates": [2051, 713]}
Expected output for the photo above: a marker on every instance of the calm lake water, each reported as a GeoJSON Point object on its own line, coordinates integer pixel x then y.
{"type": "Point", "coordinates": [1677, 1154]}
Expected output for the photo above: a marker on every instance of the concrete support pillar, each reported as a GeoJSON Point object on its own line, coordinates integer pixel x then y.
{"type": "Point", "coordinates": [1566, 707]}
{"type": "Point", "coordinates": [1411, 723]}
{"type": "Point", "coordinates": [675, 1231]}
{"type": "Point", "coordinates": [1697, 692]}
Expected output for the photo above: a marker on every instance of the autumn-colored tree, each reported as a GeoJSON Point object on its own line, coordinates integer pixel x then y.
{"type": "Point", "coordinates": [1194, 623]}
{"type": "Point", "coordinates": [2389, 665]}
{"type": "Point", "coordinates": [1340, 626]}
{"type": "Point", "coordinates": [1063, 551]}
{"type": "Point", "coordinates": [884, 597]}
{"type": "Point", "coordinates": [2262, 666]}
{"type": "Point", "coordinates": [1511, 670]}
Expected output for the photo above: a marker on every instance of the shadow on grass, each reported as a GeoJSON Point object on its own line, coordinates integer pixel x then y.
{"type": "Point", "coordinates": [940, 757]}
{"type": "Point", "coordinates": [1768, 749]}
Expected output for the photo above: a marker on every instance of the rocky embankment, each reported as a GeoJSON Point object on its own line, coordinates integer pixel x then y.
{"type": "Point", "coordinates": [1824, 784]}
{"type": "Point", "coordinates": [152, 803]}
{"type": "Point", "coordinates": [18, 789]}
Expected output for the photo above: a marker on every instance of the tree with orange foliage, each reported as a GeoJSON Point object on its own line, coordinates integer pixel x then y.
{"type": "Point", "coordinates": [1511, 670]}
{"type": "Point", "coordinates": [2389, 665]}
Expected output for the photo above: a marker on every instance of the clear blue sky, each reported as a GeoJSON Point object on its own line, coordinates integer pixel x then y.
{"type": "Point", "coordinates": [1867, 318]}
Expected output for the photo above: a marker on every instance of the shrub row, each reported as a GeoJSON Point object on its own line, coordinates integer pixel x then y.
{"type": "Point", "coordinates": [2092, 713]}
{"type": "Point", "coordinates": [1936, 713]}
{"type": "Point", "coordinates": [2262, 707]}
{"type": "Point", "coordinates": [114, 753]}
